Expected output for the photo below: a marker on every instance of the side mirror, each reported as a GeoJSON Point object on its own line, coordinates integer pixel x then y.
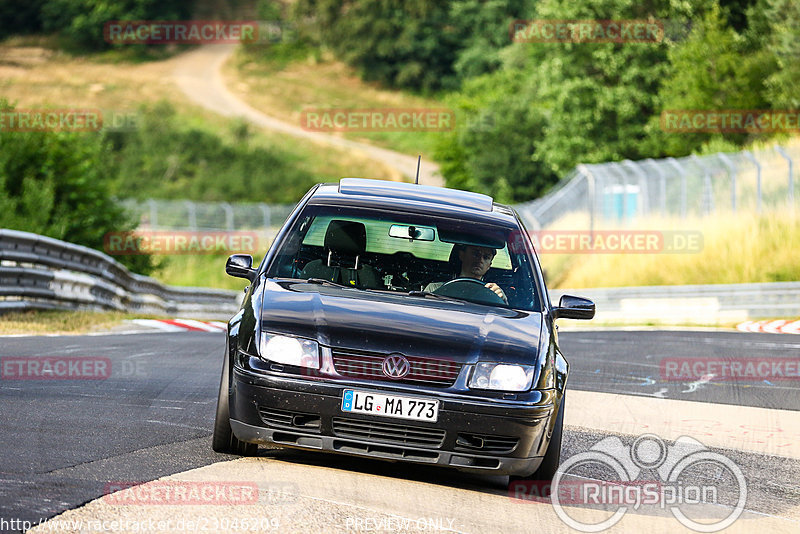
{"type": "Point", "coordinates": [570, 307]}
{"type": "Point", "coordinates": [241, 266]}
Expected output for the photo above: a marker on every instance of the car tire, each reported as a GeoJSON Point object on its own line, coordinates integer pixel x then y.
{"type": "Point", "coordinates": [552, 457]}
{"type": "Point", "coordinates": [223, 439]}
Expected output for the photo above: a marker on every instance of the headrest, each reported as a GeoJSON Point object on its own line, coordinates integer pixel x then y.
{"type": "Point", "coordinates": [346, 237]}
{"type": "Point", "coordinates": [454, 261]}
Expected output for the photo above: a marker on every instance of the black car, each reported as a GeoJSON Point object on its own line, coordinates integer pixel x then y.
{"type": "Point", "coordinates": [401, 322]}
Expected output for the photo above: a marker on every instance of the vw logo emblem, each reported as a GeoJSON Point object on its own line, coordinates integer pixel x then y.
{"type": "Point", "coordinates": [396, 366]}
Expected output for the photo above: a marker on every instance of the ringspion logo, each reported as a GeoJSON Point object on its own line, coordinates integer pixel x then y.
{"type": "Point", "coordinates": [683, 486]}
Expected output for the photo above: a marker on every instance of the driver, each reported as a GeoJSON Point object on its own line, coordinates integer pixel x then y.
{"type": "Point", "coordinates": [475, 261]}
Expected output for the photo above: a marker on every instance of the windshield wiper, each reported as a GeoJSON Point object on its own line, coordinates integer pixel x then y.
{"type": "Point", "coordinates": [323, 281]}
{"type": "Point", "coordinates": [436, 295]}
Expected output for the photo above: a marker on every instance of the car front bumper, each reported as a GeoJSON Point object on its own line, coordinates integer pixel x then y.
{"type": "Point", "coordinates": [490, 436]}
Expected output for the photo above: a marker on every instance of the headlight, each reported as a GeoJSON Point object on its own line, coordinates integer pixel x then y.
{"type": "Point", "coordinates": [289, 350]}
{"type": "Point", "coordinates": [501, 376]}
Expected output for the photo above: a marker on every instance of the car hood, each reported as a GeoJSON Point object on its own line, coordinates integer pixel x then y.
{"type": "Point", "coordinates": [359, 320]}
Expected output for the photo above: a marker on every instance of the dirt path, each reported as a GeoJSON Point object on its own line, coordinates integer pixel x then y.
{"type": "Point", "coordinates": [198, 75]}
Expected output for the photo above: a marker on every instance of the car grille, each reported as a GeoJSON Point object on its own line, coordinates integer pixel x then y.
{"type": "Point", "coordinates": [286, 419]}
{"type": "Point", "coordinates": [430, 371]}
{"type": "Point", "coordinates": [388, 432]}
{"type": "Point", "coordinates": [486, 443]}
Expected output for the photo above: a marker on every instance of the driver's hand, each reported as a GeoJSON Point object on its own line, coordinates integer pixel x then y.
{"type": "Point", "coordinates": [494, 287]}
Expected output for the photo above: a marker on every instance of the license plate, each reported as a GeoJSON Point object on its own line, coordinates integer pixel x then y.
{"type": "Point", "coordinates": [390, 405]}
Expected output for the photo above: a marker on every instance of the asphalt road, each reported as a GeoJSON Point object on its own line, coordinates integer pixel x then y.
{"type": "Point", "coordinates": [63, 441]}
{"type": "Point", "coordinates": [635, 363]}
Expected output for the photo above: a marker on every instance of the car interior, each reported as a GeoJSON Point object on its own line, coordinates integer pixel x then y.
{"type": "Point", "coordinates": [344, 257]}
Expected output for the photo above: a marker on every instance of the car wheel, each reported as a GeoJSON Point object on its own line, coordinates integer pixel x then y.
{"type": "Point", "coordinates": [552, 457]}
{"type": "Point", "coordinates": [223, 439]}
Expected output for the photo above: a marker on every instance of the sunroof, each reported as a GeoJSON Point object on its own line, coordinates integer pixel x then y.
{"type": "Point", "coordinates": [420, 193]}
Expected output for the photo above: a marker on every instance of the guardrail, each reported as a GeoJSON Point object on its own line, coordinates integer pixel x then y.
{"type": "Point", "coordinates": [691, 304]}
{"type": "Point", "coordinates": [38, 272]}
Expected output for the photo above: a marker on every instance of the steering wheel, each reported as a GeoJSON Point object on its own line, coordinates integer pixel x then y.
{"type": "Point", "coordinates": [470, 289]}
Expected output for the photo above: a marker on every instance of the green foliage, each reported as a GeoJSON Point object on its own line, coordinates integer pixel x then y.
{"type": "Point", "coordinates": [81, 22]}
{"type": "Point", "coordinates": [714, 69]}
{"type": "Point", "coordinates": [559, 104]}
{"type": "Point", "coordinates": [164, 158]}
{"type": "Point", "coordinates": [20, 17]}
{"type": "Point", "coordinates": [414, 44]}
{"type": "Point", "coordinates": [55, 184]}
{"type": "Point", "coordinates": [783, 86]}
{"type": "Point", "coordinates": [491, 148]}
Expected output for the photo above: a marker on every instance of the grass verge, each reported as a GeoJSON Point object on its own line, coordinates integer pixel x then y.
{"type": "Point", "coordinates": [283, 87]}
{"type": "Point", "coordinates": [39, 77]}
{"type": "Point", "coordinates": [63, 322]}
{"type": "Point", "coordinates": [199, 271]}
{"type": "Point", "coordinates": [744, 247]}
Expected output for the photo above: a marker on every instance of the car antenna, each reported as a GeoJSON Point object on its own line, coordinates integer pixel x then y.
{"type": "Point", "coordinates": [419, 160]}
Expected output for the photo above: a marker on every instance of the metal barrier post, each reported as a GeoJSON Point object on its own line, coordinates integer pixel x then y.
{"type": "Point", "coordinates": [265, 210]}
{"type": "Point", "coordinates": [751, 157]}
{"type": "Point", "coordinates": [708, 193]}
{"type": "Point", "coordinates": [228, 215]}
{"type": "Point", "coordinates": [682, 171]}
{"type": "Point", "coordinates": [732, 171]}
{"type": "Point", "coordinates": [642, 184]}
{"type": "Point", "coordinates": [790, 195]}
{"type": "Point", "coordinates": [590, 187]}
{"type": "Point", "coordinates": [662, 179]}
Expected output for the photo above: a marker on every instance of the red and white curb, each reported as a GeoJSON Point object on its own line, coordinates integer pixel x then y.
{"type": "Point", "coordinates": [780, 326]}
{"type": "Point", "coordinates": [182, 325]}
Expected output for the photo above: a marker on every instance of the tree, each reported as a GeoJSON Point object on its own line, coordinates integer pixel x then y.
{"type": "Point", "coordinates": [498, 132]}
{"type": "Point", "coordinates": [414, 44]}
{"type": "Point", "coordinates": [783, 85]}
{"type": "Point", "coordinates": [714, 69]}
{"type": "Point", "coordinates": [55, 184]}
{"type": "Point", "coordinates": [562, 103]}
{"type": "Point", "coordinates": [81, 22]}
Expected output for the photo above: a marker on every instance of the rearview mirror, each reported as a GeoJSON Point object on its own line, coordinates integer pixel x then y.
{"type": "Point", "coordinates": [418, 233]}
{"type": "Point", "coordinates": [241, 266]}
{"type": "Point", "coordinates": [570, 307]}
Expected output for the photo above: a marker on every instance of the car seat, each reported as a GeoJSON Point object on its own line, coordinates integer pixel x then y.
{"type": "Point", "coordinates": [345, 243]}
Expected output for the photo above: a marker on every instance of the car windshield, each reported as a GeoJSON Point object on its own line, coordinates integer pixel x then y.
{"type": "Point", "coordinates": [420, 255]}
